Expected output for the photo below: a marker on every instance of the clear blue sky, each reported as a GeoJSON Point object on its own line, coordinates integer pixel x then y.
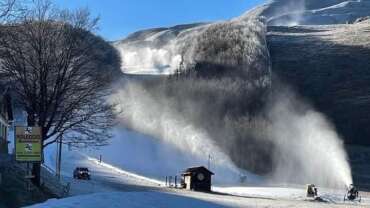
{"type": "Point", "coordinates": [122, 17]}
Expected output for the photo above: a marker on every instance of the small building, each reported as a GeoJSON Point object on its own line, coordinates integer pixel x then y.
{"type": "Point", "coordinates": [6, 115]}
{"type": "Point", "coordinates": [197, 179]}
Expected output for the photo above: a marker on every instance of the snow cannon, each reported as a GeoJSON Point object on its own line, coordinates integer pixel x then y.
{"type": "Point", "coordinates": [311, 191]}
{"type": "Point", "coordinates": [352, 194]}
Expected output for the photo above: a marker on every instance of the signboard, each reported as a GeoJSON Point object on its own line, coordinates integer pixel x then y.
{"type": "Point", "coordinates": [28, 144]}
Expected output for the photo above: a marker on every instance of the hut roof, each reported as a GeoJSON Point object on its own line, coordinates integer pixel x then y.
{"type": "Point", "coordinates": [191, 170]}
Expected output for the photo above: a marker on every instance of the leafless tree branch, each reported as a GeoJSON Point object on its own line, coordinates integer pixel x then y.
{"type": "Point", "coordinates": [6, 7]}
{"type": "Point", "coordinates": [48, 57]}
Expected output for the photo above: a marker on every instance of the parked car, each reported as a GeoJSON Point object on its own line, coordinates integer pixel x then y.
{"type": "Point", "coordinates": [81, 173]}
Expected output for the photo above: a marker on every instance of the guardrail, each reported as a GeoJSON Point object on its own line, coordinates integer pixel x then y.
{"type": "Point", "coordinates": [55, 184]}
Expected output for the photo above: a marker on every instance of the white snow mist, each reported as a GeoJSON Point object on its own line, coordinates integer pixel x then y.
{"type": "Point", "coordinates": [308, 149]}
{"type": "Point", "coordinates": [157, 118]}
{"type": "Point", "coordinates": [287, 12]}
{"type": "Point", "coordinates": [159, 52]}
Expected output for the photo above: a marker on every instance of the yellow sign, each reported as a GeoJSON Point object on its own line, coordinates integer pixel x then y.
{"type": "Point", "coordinates": [28, 144]}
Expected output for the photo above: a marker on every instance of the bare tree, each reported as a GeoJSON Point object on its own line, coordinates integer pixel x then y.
{"type": "Point", "coordinates": [48, 58]}
{"type": "Point", "coordinates": [6, 7]}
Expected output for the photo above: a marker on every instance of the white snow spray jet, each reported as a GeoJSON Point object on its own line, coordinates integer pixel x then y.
{"type": "Point", "coordinates": [287, 12]}
{"type": "Point", "coordinates": [147, 60]}
{"type": "Point", "coordinates": [308, 149]}
{"type": "Point", "coordinates": [143, 113]}
{"type": "Point", "coordinates": [157, 52]}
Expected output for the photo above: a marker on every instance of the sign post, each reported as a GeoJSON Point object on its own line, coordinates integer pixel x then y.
{"type": "Point", "coordinates": [28, 144]}
{"type": "Point", "coordinates": [28, 148]}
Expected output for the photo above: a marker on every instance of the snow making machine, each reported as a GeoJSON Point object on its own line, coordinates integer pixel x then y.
{"type": "Point", "coordinates": [311, 191]}
{"type": "Point", "coordinates": [352, 194]}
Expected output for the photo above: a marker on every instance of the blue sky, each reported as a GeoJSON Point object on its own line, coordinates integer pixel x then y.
{"type": "Point", "coordinates": [122, 17]}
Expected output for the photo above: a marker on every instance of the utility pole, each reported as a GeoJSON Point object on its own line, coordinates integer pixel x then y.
{"type": "Point", "coordinates": [59, 156]}
{"type": "Point", "coordinates": [56, 160]}
{"type": "Point", "coordinates": [209, 161]}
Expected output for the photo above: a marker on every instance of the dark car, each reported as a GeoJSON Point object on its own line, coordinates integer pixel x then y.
{"type": "Point", "coordinates": [81, 173]}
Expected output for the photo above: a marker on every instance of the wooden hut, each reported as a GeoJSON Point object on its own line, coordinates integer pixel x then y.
{"type": "Point", "coordinates": [197, 179]}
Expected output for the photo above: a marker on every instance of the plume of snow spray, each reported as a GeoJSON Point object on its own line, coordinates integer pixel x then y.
{"type": "Point", "coordinates": [286, 12]}
{"type": "Point", "coordinates": [159, 53]}
{"type": "Point", "coordinates": [143, 113]}
{"type": "Point", "coordinates": [308, 149]}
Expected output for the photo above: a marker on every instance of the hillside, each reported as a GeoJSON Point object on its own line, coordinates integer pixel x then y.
{"type": "Point", "coordinates": [343, 53]}
{"type": "Point", "coordinates": [315, 12]}
{"type": "Point", "coordinates": [330, 66]}
{"type": "Point", "coordinates": [227, 92]}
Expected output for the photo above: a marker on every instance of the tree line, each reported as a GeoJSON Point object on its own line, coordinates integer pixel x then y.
{"type": "Point", "coordinates": [58, 71]}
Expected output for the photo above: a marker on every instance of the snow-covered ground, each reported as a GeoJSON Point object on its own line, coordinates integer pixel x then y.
{"type": "Point", "coordinates": [177, 199]}
{"type": "Point", "coordinates": [132, 199]}
{"type": "Point", "coordinates": [287, 193]}
{"type": "Point", "coordinates": [113, 186]}
{"type": "Point", "coordinates": [105, 177]}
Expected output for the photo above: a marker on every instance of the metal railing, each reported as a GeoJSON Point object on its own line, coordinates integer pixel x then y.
{"type": "Point", "coordinates": [54, 183]}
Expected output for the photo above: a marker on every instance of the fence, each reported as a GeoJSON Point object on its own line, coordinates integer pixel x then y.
{"type": "Point", "coordinates": [173, 182]}
{"type": "Point", "coordinates": [51, 181]}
